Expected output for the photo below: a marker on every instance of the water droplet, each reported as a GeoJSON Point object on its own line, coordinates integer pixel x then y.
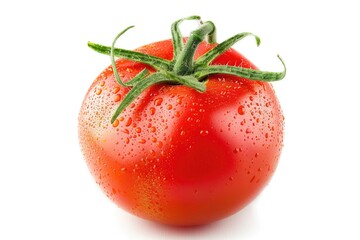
{"type": "Point", "coordinates": [252, 179]}
{"type": "Point", "coordinates": [116, 90]}
{"type": "Point", "coordinates": [236, 150]}
{"type": "Point", "coordinates": [179, 100]}
{"type": "Point", "coordinates": [248, 130]}
{"type": "Point", "coordinates": [160, 144]}
{"type": "Point", "coordinates": [241, 110]}
{"type": "Point", "coordinates": [158, 101]}
{"type": "Point", "coordinates": [117, 98]}
{"type": "Point", "coordinates": [266, 135]}
{"type": "Point", "coordinates": [98, 91]}
{"type": "Point", "coordinates": [142, 141]}
{"type": "Point", "coordinates": [152, 110]}
{"type": "Point", "coordinates": [251, 98]}
{"type": "Point", "coordinates": [231, 178]}
{"type": "Point", "coordinates": [115, 123]}
{"type": "Point", "coordinates": [256, 155]}
{"type": "Point", "coordinates": [169, 107]}
{"type": "Point", "coordinates": [138, 130]}
{"type": "Point", "coordinates": [182, 133]}
{"type": "Point", "coordinates": [204, 132]}
{"type": "Point", "coordinates": [153, 129]}
{"type": "Point", "coordinates": [127, 140]}
{"type": "Point", "coordinates": [153, 139]}
{"type": "Point", "coordinates": [128, 122]}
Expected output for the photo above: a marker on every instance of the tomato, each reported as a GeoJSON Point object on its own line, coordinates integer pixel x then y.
{"type": "Point", "coordinates": [176, 155]}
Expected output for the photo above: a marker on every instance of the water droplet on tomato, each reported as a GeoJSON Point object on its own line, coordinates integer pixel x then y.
{"type": "Point", "coordinates": [116, 90]}
{"type": "Point", "coordinates": [115, 123]}
{"type": "Point", "coordinates": [142, 141]}
{"type": "Point", "coordinates": [182, 133]}
{"type": "Point", "coordinates": [138, 130]}
{"type": "Point", "coordinates": [158, 101]}
{"type": "Point", "coordinates": [152, 110]}
{"type": "Point", "coordinates": [160, 144]}
{"type": "Point", "coordinates": [128, 122]}
{"type": "Point", "coordinates": [169, 107]}
{"type": "Point", "coordinates": [266, 135]}
{"type": "Point", "coordinates": [153, 139]}
{"type": "Point", "coordinates": [204, 132]}
{"type": "Point", "coordinates": [252, 179]}
{"type": "Point", "coordinates": [98, 91]}
{"type": "Point", "coordinates": [153, 129]}
{"type": "Point", "coordinates": [248, 130]}
{"type": "Point", "coordinates": [179, 100]}
{"type": "Point", "coordinates": [251, 98]}
{"type": "Point", "coordinates": [241, 110]}
{"type": "Point", "coordinates": [256, 155]}
{"type": "Point", "coordinates": [117, 98]}
{"type": "Point", "coordinates": [123, 169]}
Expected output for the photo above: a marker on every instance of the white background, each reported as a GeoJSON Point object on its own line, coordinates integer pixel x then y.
{"type": "Point", "coordinates": [46, 191]}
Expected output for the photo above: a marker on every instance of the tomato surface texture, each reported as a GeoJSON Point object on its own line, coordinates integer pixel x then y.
{"type": "Point", "coordinates": [178, 156]}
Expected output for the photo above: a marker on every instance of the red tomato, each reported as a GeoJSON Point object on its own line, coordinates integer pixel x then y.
{"type": "Point", "coordinates": [176, 155]}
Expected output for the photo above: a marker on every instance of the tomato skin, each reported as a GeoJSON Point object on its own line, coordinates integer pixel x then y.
{"type": "Point", "coordinates": [178, 156]}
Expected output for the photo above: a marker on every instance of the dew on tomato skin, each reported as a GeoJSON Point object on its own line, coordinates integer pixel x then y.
{"type": "Point", "coordinates": [182, 133]}
{"type": "Point", "coordinates": [117, 98]}
{"type": "Point", "coordinates": [152, 111]}
{"type": "Point", "coordinates": [248, 130]}
{"type": "Point", "coordinates": [116, 90]}
{"type": "Point", "coordinates": [128, 122]}
{"type": "Point", "coordinates": [159, 144]}
{"type": "Point", "coordinates": [179, 100]}
{"type": "Point", "coordinates": [98, 91]}
{"type": "Point", "coordinates": [115, 123]}
{"type": "Point", "coordinates": [138, 130]}
{"type": "Point", "coordinates": [252, 179]}
{"type": "Point", "coordinates": [158, 101]}
{"type": "Point", "coordinates": [169, 107]}
{"type": "Point", "coordinates": [204, 132]}
{"type": "Point", "coordinates": [241, 110]}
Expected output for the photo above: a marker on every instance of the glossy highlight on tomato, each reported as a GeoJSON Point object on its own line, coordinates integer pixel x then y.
{"type": "Point", "coordinates": [176, 155]}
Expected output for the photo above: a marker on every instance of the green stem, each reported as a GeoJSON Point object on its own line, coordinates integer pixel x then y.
{"type": "Point", "coordinates": [177, 38]}
{"type": "Point", "coordinates": [221, 48]}
{"type": "Point", "coordinates": [184, 63]}
{"type": "Point", "coordinates": [182, 69]}
{"type": "Point", "coordinates": [202, 72]}
{"type": "Point", "coordinates": [155, 62]}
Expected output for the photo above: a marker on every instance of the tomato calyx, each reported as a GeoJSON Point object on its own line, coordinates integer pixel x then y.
{"type": "Point", "coordinates": [183, 69]}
